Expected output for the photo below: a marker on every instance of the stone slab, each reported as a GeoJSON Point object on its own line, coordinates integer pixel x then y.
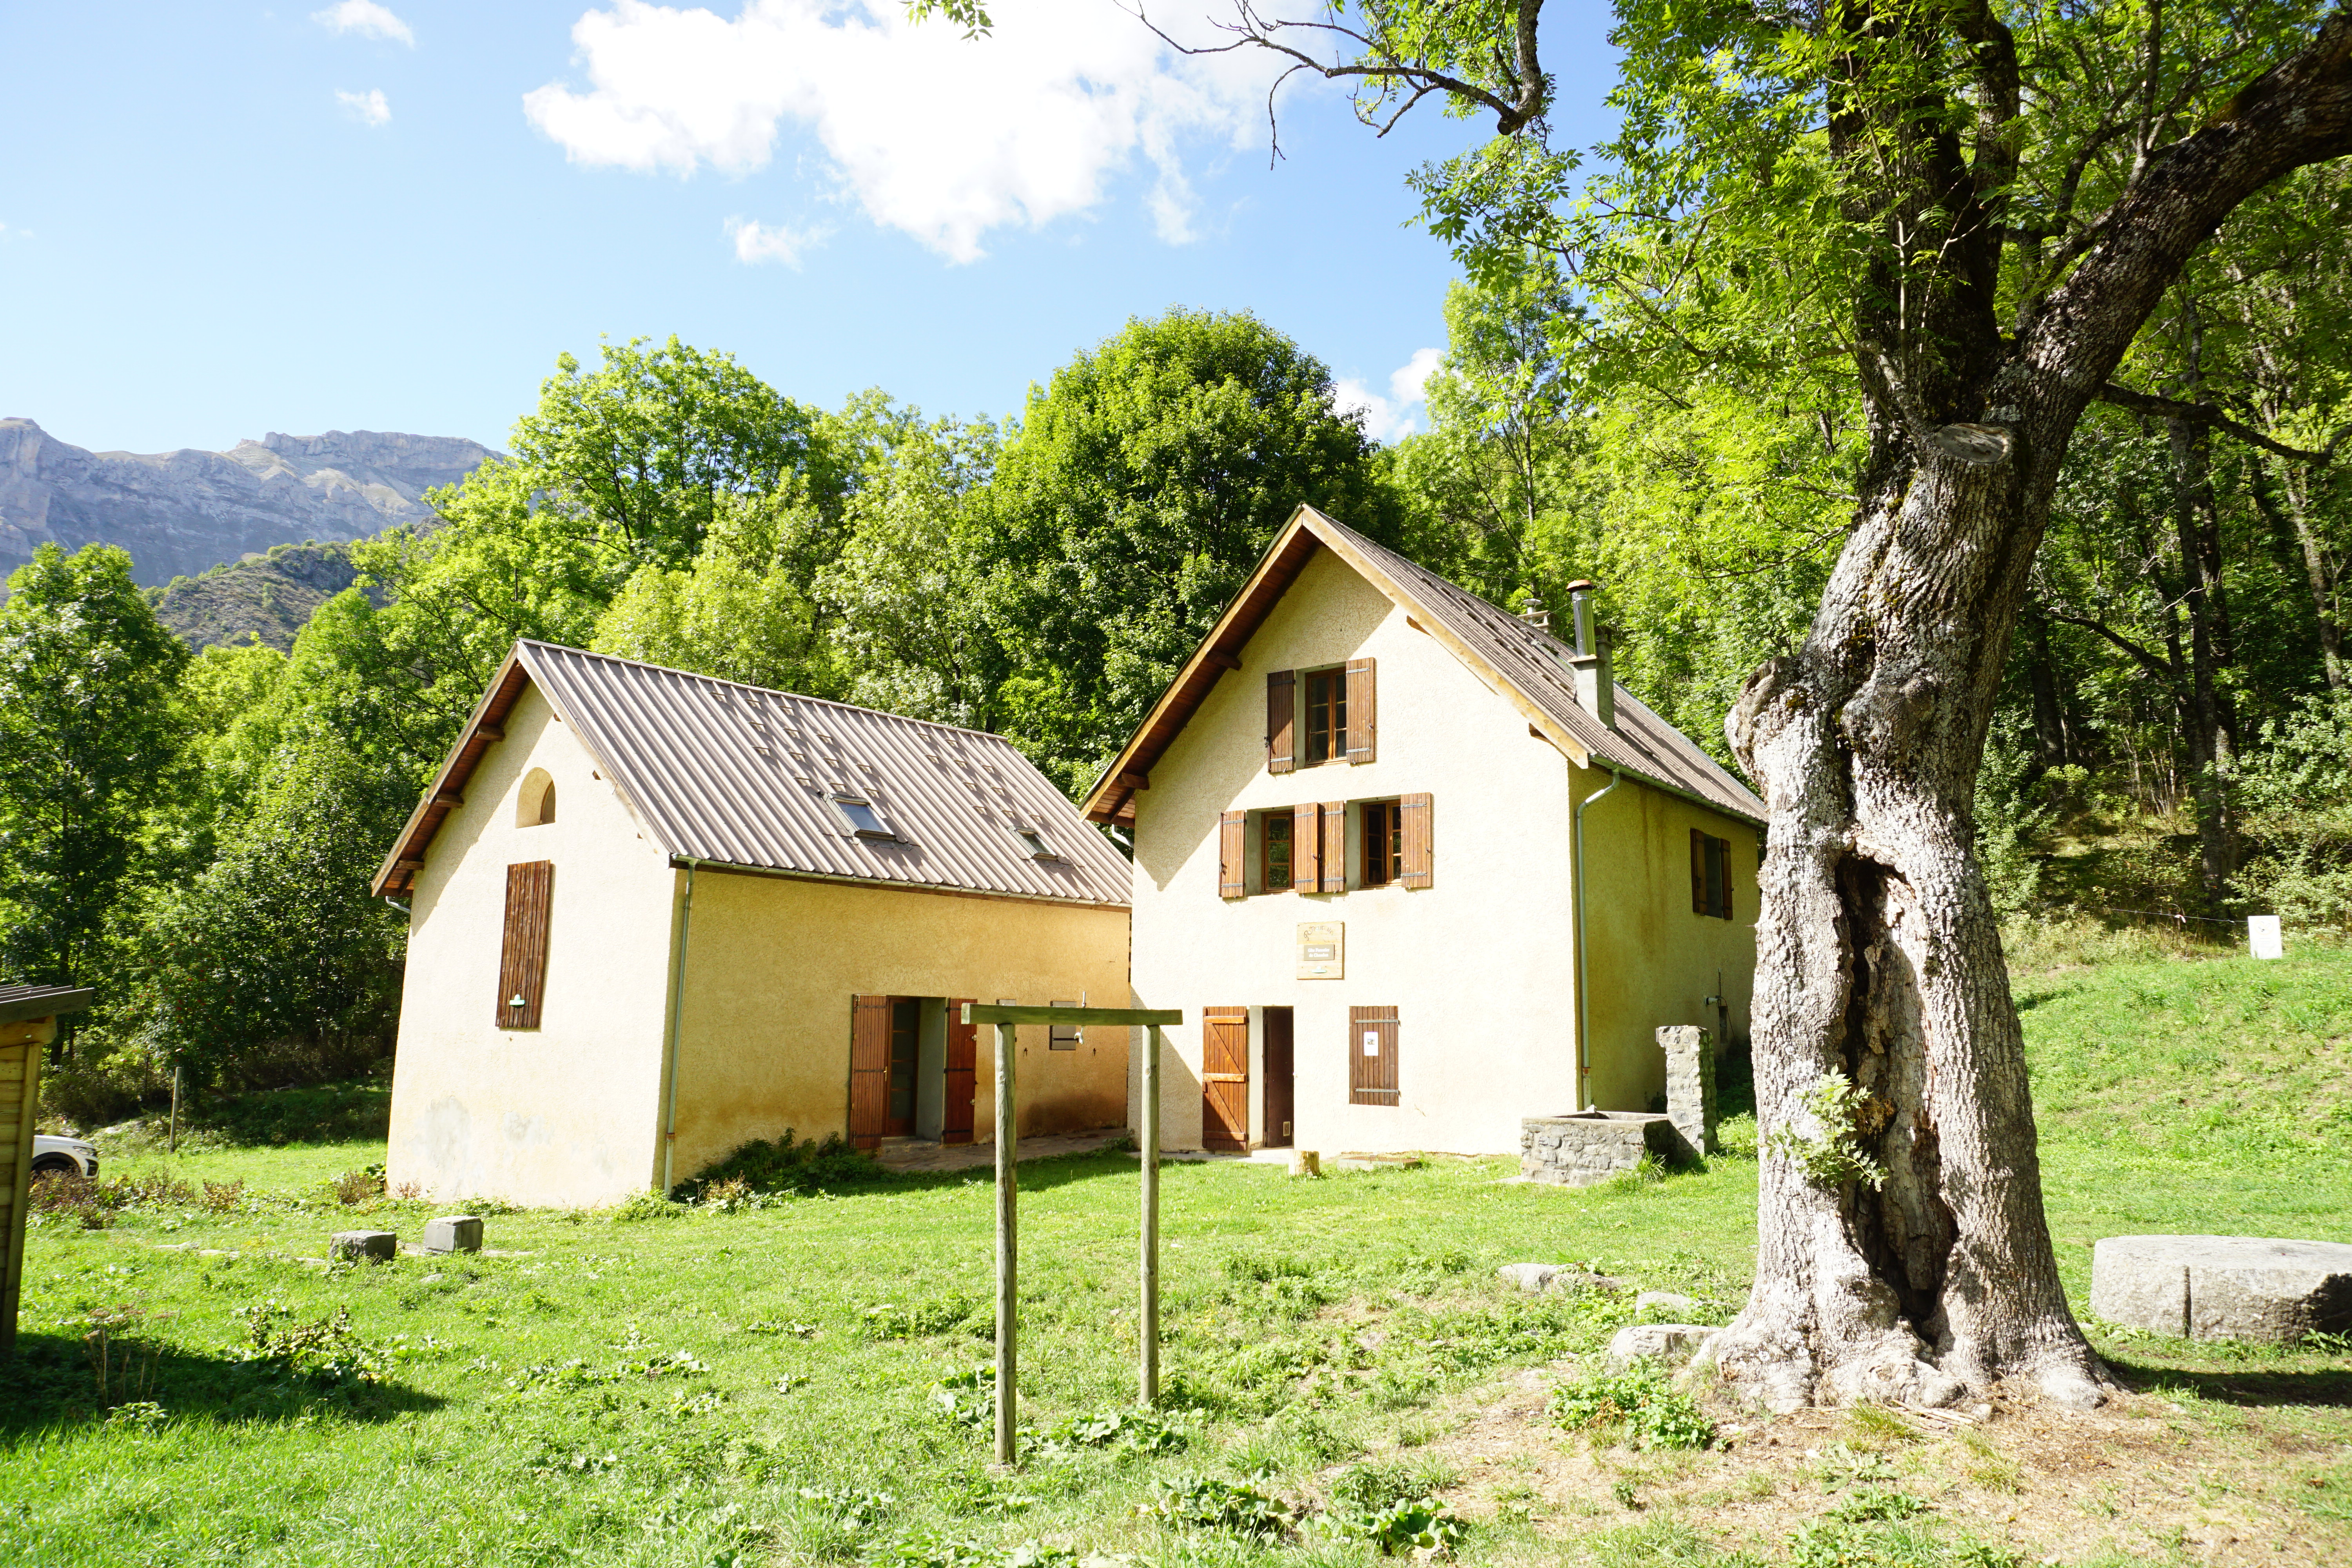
{"type": "Point", "coordinates": [454, 1233]}
{"type": "Point", "coordinates": [1668, 1342]}
{"type": "Point", "coordinates": [2258, 1288]}
{"type": "Point", "coordinates": [373, 1246]}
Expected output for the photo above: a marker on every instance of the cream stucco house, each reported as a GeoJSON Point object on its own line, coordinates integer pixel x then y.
{"type": "Point", "coordinates": [654, 916]}
{"type": "Point", "coordinates": [1356, 816]}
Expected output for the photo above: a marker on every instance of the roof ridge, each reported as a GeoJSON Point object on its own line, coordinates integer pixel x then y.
{"type": "Point", "coordinates": [764, 690]}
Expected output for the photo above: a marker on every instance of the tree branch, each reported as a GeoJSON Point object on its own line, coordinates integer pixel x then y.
{"type": "Point", "coordinates": [2206, 414]}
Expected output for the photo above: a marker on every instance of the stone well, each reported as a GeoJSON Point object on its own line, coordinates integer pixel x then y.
{"type": "Point", "coordinates": [1585, 1147]}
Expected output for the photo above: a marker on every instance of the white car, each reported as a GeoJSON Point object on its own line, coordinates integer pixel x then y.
{"type": "Point", "coordinates": [63, 1156]}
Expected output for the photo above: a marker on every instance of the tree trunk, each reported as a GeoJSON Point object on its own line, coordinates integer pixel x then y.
{"type": "Point", "coordinates": [2211, 720]}
{"type": "Point", "coordinates": [2295, 488]}
{"type": "Point", "coordinates": [2053, 744]}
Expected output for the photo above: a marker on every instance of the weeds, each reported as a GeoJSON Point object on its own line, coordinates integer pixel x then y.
{"type": "Point", "coordinates": [353, 1188]}
{"type": "Point", "coordinates": [1205, 1503]}
{"type": "Point", "coordinates": [786, 1165]}
{"type": "Point", "coordinates": [325, 1351]}
{"type": "Point", "coordinates": [1638, 1408]}
{"type": "Point", "coordinates": [122, 1354]}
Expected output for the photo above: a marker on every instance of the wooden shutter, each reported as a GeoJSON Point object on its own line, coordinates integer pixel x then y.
{"type": "Point", "coordinates": [522, 953]}
{"type": "Point", "coordinates": [1224, 1078]}
{"type": "Point", "coordinates": [1418, 811]}
{"type": "Point", "coordinates": [1335, 847]}
{"type": "Point", "coordinates": [1698, 872]}
{"type": "Point", "coordinates": [1307, 847]}
{"type": "Point", "coordinates": [1231, 871]}
{"type": "Point", "coordinates": [1372, 1073]}
{"type": "Point", "coordinates": [963, 1056]}
{"type": "Point", "coordinates": [869, 1069]}
{"type": "Point", "coordinates": [1723, 877]}
{"type": "Point", "coordinates": [1281, 721]}
{"type": "Point", "coordinates": [1363, 713]}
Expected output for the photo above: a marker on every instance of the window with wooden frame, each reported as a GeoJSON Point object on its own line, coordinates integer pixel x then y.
{"type": "Point", "coordinates": [1327, 714]}
{"type": "Point", "coordinates": [1710, 876]}
{"type": "Point", "coordinates": [522, 951]}
{"type": "Point", "coordinates": [1383, 837]}
{"type": "Point", "coordinates": [1274, 850]}
{"type": "Point", "coordinates": [1372, 1056]}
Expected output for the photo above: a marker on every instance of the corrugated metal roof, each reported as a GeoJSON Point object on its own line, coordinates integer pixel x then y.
{"type": "Point", "coordinates": [18, 1003]}
{"type": "Point", "coordinates": [740, 775]}
{"type": "Point", "coordinates": [1528, 662]}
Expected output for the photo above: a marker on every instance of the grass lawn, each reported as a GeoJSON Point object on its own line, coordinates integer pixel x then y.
{"type": "Point", "coordinates": [699, 1387]}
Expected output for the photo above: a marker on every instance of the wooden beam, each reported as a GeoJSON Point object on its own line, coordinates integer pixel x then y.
{"type": "Point", "coordinates": [1008, 1193]}
{"type": "Point", "coordinates": [1134, 780]}
{"type": "Point", "coordinates": [447, 797]}
{"type": "Point", "coordinates": [489, 732]}
{"type": "Point", "coordinates": [1221, 660]}
{"type": "Point", "coordinates": [1134, 1018]}
{"type": "Point", "coordinates": [1151, 1261]}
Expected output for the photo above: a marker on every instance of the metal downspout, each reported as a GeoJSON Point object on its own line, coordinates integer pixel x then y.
{"type": "Point", "coordinates": [1583, 1009]}
{"type": "Point", "coordinates": [676, 1009]}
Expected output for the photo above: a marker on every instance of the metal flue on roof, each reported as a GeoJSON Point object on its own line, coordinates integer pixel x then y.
{"type": "Point", "coordinates": [740, 775]}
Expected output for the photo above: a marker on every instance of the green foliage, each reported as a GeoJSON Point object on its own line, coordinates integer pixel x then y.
{"type": "Point", "coordinates": [89, 741]}
{"type": "Point", "coordinates": [1638, 1407]}
{"type": "Point", "coordinates": [1211, 1502]}
{"type": "Point", "coordinates": [789, 1165]}
{"type": "Point", "coordinates": [1393, 1506]}
{"type": "Point", "coordinates": [1823, 1138]}
{"type": "Point", "coordinates": [1142, 487]}
{"type": "Point", "coordinates": [2296, 793]}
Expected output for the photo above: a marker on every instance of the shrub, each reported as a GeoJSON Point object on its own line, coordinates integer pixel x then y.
{"type": "Point", "coordinates": [1638, 1407]}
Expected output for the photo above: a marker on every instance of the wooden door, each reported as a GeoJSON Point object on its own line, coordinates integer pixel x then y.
{"type": "Point", "coordinates": [905, 1054]}
{"type": "Point", "coordinates": [869, 1069]}
{"type": "Point", "coordinates": [963, 1057]}
{"type": "Point", "coordinates": [1281, 1095]}
{"type": "Point", "coordinates": [1224, 1078]}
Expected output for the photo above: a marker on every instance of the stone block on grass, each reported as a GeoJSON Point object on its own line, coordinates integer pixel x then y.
{"type": "Point", "coordinates": [363, 1245]}
{"type": "Point", "coordinates": [1671, 1344]}
{"type": "Point", "coordinates": [2257, 1289]}
{"type": "Point", "coordinates": [454, 1233]}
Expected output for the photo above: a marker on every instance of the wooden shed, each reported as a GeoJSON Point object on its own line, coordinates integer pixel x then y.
{"type": "Point", "coordinates": [28, 1022]}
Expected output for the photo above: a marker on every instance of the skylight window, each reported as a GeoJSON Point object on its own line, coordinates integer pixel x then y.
{"type": "Point", "coordinates": [1034, 842]}
{"type": "Point", "coordinates": [863, 820]}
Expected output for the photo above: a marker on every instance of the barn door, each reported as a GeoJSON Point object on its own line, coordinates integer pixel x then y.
{"type": "Point", "coordinates": [869, 1069]}
{"type": "Point", "coordinates": [1224, 1078]}
{"type": "Point", "coordinates": [963, 1057]}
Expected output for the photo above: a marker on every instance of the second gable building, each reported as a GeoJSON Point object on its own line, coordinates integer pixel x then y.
{"type": "Point", "coordinates": [1356, 820]}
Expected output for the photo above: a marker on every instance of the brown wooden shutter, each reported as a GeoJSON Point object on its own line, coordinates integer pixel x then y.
{"type": "Point", "coordinates": [1232, 867]}
{"type": "Point", "coordinates": [1698, 872]}
{"type": "Point", "coordinates": [1723, 856]}
{"type": "Point", "coordinates": [1224, 1078]}
{"type": "Point", "coordinates": [1307, 847]}
{"type": "Point", "coordinates": [522, 953]}
{"type": "Point", "coordinates": [1418, 811]}
{"type": "Point", "coordinates": [1363, 713]}
{"type": "Point", "coordinates": [1372, 1073]}
{"type": "Point", "coordinates": [1281, 721]}
{"type": "Point", "coordinates": [1335, 847]}
{"type": "Point", "coordinates": [869, 1069]}
{"type": "Point", "coordinates": [963, 1056]}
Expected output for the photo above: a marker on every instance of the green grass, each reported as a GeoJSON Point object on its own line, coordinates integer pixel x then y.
{"type": "Point", "coordinates": [701, 1387]}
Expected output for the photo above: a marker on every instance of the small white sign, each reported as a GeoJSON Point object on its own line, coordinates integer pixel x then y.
{"type": "Point", "coordinates": [2263, 935]}
{"type": "Point", "coordinates": [1371, 1042]}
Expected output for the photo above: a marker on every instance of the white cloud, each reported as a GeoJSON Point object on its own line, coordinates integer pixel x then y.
{"type": "Point", "coordinates": [943, 138]}
{"type": "Point", "coordinates": [1390, 419]}
{"type": "Point", "coordinates": [366, 18]}
{"type": "Point", "coordinates": [758, 242]}
{"type": "Point", "coordinates": [368, 107]}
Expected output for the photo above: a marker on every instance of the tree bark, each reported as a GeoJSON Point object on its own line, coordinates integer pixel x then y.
{"type": "Point", "coordinates": [2317, 571]}
{"type": "Point", "coordinates": [2212, 717]}
{"type": "Point", "coordinates": [1878, 953]}
{"type": "Point", "coordinates": [2053, 738]}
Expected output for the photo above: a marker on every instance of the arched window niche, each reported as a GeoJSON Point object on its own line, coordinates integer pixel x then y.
{"type": "Point", "coordinates": [535, 803]}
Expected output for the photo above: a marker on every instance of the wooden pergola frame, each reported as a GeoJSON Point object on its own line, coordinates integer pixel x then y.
{"type": "Point", "coordinates": [1008, 1120]}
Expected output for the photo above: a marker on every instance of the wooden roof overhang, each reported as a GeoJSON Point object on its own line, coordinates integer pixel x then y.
{"type": "Point", "coordinates": [484, 728]}
{"type": "Point", "coordinates": [1112, 798]}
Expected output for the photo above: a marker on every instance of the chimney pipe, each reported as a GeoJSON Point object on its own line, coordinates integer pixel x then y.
{"type": "Point", "coordinates": [1596, 678]}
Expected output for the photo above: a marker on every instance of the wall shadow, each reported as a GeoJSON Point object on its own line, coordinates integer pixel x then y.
{"type": "Point", "coordinates": [2324, 1386]}
{"type": "Point", "coordinates": [50, 1383]}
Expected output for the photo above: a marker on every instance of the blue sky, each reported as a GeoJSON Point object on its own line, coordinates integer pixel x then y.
{"type": "Point", "coordinates": [220, 220]}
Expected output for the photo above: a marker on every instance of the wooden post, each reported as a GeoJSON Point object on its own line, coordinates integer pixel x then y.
{"type": "Point", "coordinates": [1151, 1318]}
{"type": "Point", "coordinates": [173, 1146]}
{"type": "Point", "coordinates": [1007, 1243]}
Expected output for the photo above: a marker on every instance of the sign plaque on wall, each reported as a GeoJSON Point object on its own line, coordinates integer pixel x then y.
{"type": "Point", "coordinates": [1322, 950]}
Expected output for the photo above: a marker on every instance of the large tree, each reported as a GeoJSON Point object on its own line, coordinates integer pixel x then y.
{"type": "Point", "coordinates": [1982, 204]}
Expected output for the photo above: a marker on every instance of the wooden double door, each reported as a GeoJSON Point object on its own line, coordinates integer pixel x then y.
{"type": "Point", "coordinates": [887, 1068]}
{"type": "Point", "coordinates": [1225, 1079]}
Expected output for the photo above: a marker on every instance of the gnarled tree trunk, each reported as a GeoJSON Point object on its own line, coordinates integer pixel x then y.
{"type": "Point", "coordinates": [1878, 954]}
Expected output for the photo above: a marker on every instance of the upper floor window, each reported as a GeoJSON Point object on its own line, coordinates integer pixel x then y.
{"type": "Point", "coordinates": [1326, 715]}
{"type": "Point", "coordinates": [1710, 875]}
{"type": "Point", "coordinates": [863, 820]}
{"type": "Point", "coordinates": [1383, 842]}
{"type": "Point", "coordinates": [1275, 864]}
